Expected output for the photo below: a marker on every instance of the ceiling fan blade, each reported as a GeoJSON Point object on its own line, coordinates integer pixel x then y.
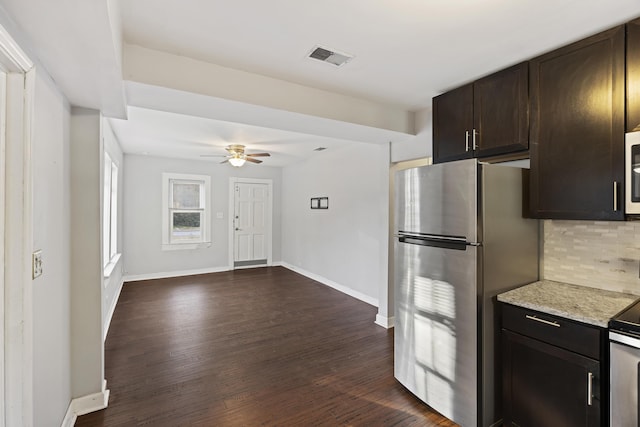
{"type": "Point", "coordinates": [258, 155]}
{"type": "Point", "coordinates": [224, 161]}
{"type": "Point", "coordinates": [249, 159]}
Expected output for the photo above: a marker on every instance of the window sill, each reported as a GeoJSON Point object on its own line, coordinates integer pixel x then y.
{"type": "Point", "coordinates": [185, 246]}
{"type": "Point", "coordinates": [108, 269]}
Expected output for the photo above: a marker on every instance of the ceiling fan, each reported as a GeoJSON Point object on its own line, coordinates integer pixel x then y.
{"type": "Point", "coordinates": [237, 156]}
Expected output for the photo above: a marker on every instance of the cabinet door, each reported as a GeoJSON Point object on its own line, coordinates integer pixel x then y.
{"type": "Point", "coordinates": [453, 124]}
{"type": "Point", "coordinates": [577, 129]}
{"type": "Point", "coordinates": [544, 385]}
{"type": "Point", "coordinates": [501, 111]}
{"type": "Point", "coordinates": [633, 76]}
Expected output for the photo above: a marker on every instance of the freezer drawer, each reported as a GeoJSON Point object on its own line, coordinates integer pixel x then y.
{"type": "Point", "coordinates": [436, 327]}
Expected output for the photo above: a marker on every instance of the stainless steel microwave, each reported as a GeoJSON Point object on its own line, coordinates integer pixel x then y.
{"type": "Point", "coordinates": [632, 173]}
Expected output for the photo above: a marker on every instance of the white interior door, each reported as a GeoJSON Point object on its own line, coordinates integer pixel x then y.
{"type": "Point", "coordinates": [251, 224]}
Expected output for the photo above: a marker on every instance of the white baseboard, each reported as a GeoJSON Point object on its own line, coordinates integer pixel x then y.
{"type": "Point", "coordinates": [332, 284]}
{"type": "Point", "coordinates": [112, 309]}
{"type": "Point", "coordinates": [169, 274]}
{"type": "Point", "coordinates": [86, 404]}
{"type": "Point", "coordinates": [385, 322]}
{"type": "Point", "coordinates": [91, 403]}
{"type": "Point", "coordinates": [69, 418]}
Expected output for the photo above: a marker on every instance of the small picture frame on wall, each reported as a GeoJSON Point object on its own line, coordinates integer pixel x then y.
{"type": "Point", "coordinates": [319, 203]}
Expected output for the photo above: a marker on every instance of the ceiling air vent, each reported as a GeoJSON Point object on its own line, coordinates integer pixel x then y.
{"type": "Point", "coordinates": [330, 56]}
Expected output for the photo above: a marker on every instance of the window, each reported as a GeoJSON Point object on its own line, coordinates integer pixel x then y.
{"type": "Point", "coordinates": [110, 216]}
{"type": "Point", "coordinates": [185, 211]}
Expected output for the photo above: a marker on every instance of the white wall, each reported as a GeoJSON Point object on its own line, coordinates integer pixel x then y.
{"type": "Point", "coordinates": [87, 348]}
{"type": "Point", "coordinates": [419, 146]}
{"type": "Point", "coordinates": [142, 250]}
{"type": "Point", "coordinates": [346, 244]}
{"type": "Point", "coordinates": [113, 283]}
{"type": "Point", "coordinates": [51, 291]}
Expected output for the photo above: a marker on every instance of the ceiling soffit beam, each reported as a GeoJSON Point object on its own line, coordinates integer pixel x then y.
{"type": "Point", "coordinates": [155, 68]}
{"type": "Point", "coordinates": [192, 104]}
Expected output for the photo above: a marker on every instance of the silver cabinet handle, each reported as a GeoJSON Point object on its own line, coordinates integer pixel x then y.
{"type": "Point", "coordinates": [615, 196]}
{"type": "Point", "coordinates": [589, 389]}
{"type": "Point", "coordinates": [475, 146]}
{"type": "Point", "coordinates": [466, 140]}
{"type": "Point", "coordinates": [546, 322]}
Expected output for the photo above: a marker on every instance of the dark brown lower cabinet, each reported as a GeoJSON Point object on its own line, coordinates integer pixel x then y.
{"type": "Point", "coordinates": [554, 371]}
{"type": "Point", "coordinates": [545, 385]}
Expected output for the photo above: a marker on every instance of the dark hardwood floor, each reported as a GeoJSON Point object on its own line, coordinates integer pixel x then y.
{"type": "Point", "coordinates": [259, 347]}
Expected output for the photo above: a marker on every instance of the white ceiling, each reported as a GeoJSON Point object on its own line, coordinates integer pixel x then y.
{"type": "Point", "coordinates": [406, 51]}
{"type": "Point", "coordinates": [158, 133]}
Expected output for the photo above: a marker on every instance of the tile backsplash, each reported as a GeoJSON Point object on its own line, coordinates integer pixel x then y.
{"type": "Point", "coordinates": [598, 254]}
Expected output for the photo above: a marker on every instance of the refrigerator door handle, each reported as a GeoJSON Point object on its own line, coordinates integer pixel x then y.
{"type": "Point", "coordinates": [436, 243]}
{"type": "Point", "coordinates": [402, 233]}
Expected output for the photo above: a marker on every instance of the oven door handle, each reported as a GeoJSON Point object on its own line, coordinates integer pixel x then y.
{"type": "Point", "coordinates": [624, 339]}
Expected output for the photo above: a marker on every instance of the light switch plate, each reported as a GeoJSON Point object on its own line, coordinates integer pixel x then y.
{"type": "Point", "coordinates": [36, 264]}
{"type": "Point", "coordinates": [219, 215]}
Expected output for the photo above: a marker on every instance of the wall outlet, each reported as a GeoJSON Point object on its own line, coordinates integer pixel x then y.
{"type": "Point", "coordinates": [36, 264]}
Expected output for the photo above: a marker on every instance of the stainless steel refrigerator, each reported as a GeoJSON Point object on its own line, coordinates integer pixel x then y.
{"type": "Point", "coordinates": [460, 239]}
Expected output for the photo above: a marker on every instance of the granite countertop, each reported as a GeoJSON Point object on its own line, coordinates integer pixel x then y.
{"type": "Point", "coordinates": [580, 303]}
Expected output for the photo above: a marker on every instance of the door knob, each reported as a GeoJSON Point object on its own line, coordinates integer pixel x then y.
{"type": "Point", "coordinates": [237, 229]}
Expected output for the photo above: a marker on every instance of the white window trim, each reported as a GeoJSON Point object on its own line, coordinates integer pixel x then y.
{"type": "Point", "coordinates": [167, 245]}
{"type": "Point", "coordinates": [111, 220]}
{"type": "Point", "coordinates": [113, 210]}
{"type": "Point", "coordinates": [108, 269]}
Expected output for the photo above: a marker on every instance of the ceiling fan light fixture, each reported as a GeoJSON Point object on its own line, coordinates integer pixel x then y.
{"type": "Point", "coordinates": [237, 161]}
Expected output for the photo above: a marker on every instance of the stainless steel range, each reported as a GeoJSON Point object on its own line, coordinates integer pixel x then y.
{"type": "Point", "coordinates": [624, 337]}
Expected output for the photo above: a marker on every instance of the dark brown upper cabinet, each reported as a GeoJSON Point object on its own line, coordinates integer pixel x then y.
{"type": "Point", "coordinates": [501, 111]}
{"type": "Point", "coordinates": [577, 129]}
{"type": "Point", "coordinates": [488, 117]}
{"type": "Point", "coordinates": [633, 76]}
{"type": "Point", "coordinates": [452, 124]}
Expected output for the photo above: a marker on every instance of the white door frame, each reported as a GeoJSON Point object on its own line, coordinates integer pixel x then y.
{"type": "Point", "coordinates": [16, 395]}
{"type": "Point", "coordinates": [232, 182]}
{"type": "Point", "coordinates": [3, 163]}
